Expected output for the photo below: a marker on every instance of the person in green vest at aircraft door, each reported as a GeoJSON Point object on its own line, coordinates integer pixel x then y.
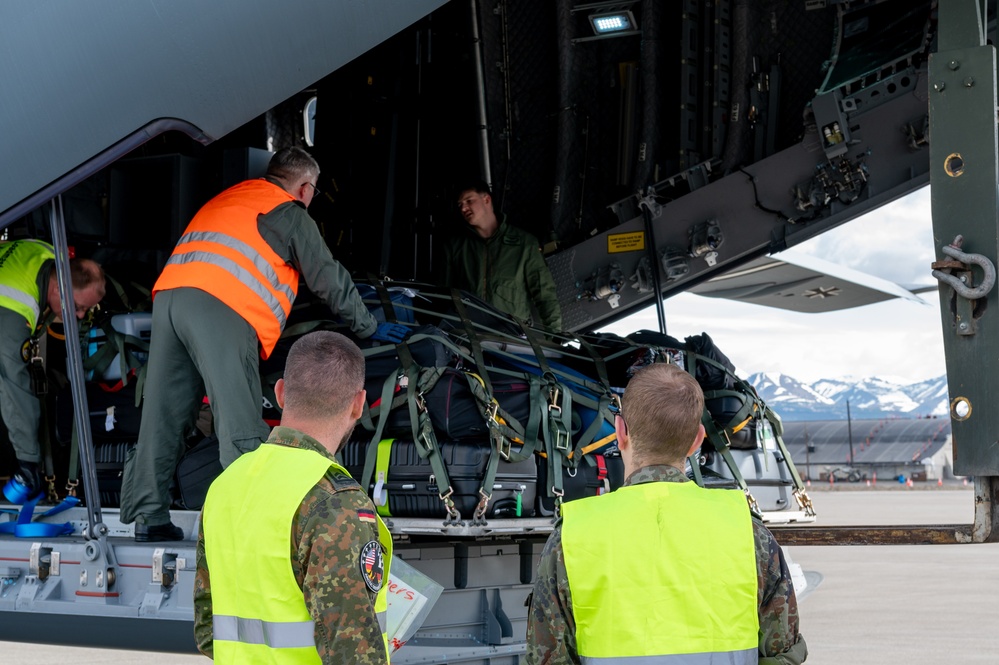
{"type": "Point", "coordinates": [29, 302]}
{"type": "Point", "coordinates": [292, 561]}
{"type": "Point", "coordinates": [662, 570]}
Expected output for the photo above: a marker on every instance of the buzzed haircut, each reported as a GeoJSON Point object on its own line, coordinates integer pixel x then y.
{"type": "Point", "coordinates": [662, 406]}
{"type": "Point", "coordinates": [474, 185]}
{"type": "Point", "coordinates": [292, 165]}
{"type": "Point", "coordinates": [323, 373]}
{"type": "Point", "coordinates": [84, 273]}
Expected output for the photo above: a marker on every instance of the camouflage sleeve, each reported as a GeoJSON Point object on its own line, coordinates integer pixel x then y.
{"type": "Point", "coordinates": [202, 600]}
{"type": "Point", "coordinates": [551, 629]}
{"type": "Point", "coordinates": [780, 641]}
{"type": "Point", "coordinates": [327, 538]}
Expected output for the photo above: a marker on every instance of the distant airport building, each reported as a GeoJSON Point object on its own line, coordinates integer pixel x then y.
{"type": "Point", "coordinates": [919, 449]}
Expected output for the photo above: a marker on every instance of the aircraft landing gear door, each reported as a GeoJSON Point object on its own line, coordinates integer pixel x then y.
{"type": "Point", "coordinates": [965, 203]}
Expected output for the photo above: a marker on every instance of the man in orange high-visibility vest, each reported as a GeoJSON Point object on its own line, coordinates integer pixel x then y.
{"type": "Point", "coordinates": [220, 303]}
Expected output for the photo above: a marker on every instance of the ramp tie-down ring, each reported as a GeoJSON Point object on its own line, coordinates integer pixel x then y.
{"type": "Point", "coordinates": [953, 250]}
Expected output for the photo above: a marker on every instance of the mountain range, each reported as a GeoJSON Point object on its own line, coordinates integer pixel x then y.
{"type": "Point", "coordinates": [869, 398]}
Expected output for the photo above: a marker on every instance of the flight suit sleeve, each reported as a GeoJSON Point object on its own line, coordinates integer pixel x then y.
{"type": "Point", "coordinates": [541, 288]}
{"type": "Point", "coordinates": [327, 540]}
{"type": "Point", "coordinates": [551, 627]}
{"type": "Point", "coordinates": [290, 231]}
{"type": "Point", "coordinates": [203, 635]}
{"type": "Point", "coordinates": [780, 642]}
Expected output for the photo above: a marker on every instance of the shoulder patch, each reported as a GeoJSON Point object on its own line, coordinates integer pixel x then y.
{"type": "Point", "coordinates": [341, 481]}
{"type": "Point", "coordinates": [372, 563]}
{"type": "Point", "coordinates": [366, 515]}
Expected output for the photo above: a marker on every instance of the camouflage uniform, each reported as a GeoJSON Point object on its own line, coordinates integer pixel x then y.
{"type": "Point", "coordinates": [551, 627]}
{"type": "Point", "coordinates": [326, 540]}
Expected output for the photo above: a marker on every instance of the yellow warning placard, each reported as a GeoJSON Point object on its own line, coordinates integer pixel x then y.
{"type": "Point", "coordinates": [625, 242]}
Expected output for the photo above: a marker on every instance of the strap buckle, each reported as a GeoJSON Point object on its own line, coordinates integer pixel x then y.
{"type": "Point", "coordinates": [51, 494]}
{"type": "Point", "coordinates": [453, 516]}
{"type": "Point", "coordinates": [479, 517]}
{"type": "Point", "coordinates": [71, 486]}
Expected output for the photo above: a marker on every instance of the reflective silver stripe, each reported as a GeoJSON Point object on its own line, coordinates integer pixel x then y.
{"type": "Point", "coordinates": [745, 657]}
{"type": "Point", "coordinates": [230, 266]}
{"type": "Point", "coordinates": [21, 298]}
{"type": "Point", "coordinates": [259, 262]}
{"type": "Point", "coordinates": [381, 620]}
{"type": "Point", "coordinates": [275, 634]}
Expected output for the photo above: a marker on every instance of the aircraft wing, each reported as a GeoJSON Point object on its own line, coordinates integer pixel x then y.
{"type": "Point", "coordinates": [802, 283]}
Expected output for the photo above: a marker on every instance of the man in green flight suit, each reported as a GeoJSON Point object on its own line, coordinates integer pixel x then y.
{"type": "Point", "coordinates": [29, 301]}
{"type": "Point", "coordinates": [220, 303]}
{"type": "Point", "coordinates": [500, 263]}
{"type": "Point", "coordinates": [662, 570]}
{"type": "Point", "coordinates": [288, 507]}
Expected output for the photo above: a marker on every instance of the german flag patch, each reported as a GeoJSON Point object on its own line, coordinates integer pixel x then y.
{"type": "Point", "coordinates": [366, 515]}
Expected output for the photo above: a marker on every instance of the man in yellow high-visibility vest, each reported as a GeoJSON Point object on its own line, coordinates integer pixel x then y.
{"type": "Point", "coordinates": [29, 301]}
{"type": "Point", "coordinates": [661, 570]}
{"type": "Point", "coordinates": [292, 561]}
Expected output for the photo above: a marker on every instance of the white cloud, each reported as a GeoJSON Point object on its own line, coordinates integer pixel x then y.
{"type": "Point", "coordinates": [897, 340]}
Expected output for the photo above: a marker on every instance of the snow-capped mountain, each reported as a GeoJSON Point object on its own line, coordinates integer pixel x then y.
{"type": "Point", "coordinates": [869, 398]}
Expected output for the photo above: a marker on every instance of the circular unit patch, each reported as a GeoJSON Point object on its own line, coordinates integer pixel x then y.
{"type": "Point", "coordinates": [373, 565]}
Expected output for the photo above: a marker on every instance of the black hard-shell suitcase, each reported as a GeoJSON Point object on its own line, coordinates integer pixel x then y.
{"type": "Point", "coordinates": [195, 472]}
{"type": "Point", "coordinates": [410, 491]}
{"type": "Point", "coordinates": [604, 475]}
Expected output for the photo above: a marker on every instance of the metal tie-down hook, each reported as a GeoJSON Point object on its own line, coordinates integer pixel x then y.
{"type": "Point", "coordinates": [953, 250]}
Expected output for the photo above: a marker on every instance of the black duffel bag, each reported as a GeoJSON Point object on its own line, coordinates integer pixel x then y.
{"type": "Point", "coordinates": [113, 413]}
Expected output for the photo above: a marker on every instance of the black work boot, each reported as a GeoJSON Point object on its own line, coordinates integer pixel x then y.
{"type": "Point", "coordinates": [157, 533]}
{"type": "Point", "coordinates": [27, 476]}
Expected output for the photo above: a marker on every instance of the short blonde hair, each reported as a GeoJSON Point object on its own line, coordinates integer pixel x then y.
{"type": "Point", "coordinates": [662, 406]}
{"type": "Point", "coordinates": [323, 372]}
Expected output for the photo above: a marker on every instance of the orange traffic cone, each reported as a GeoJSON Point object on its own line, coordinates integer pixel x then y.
{"type": "Point", "coordinates": [939, 482]}
{"type": "Point", "coordinates": [874, 480]}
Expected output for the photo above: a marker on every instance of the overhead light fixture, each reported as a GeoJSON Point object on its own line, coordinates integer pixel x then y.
{"type": "Point", "coordinates": [609, 23]}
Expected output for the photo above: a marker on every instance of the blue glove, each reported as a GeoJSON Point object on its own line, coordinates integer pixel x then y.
{"type": "Point", "coordinates": [390, 332]}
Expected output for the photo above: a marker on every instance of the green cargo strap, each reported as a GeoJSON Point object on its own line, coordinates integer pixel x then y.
{"type": "Point", "coordinates": [424, 436]}
{"type": "Point", "coordinates": [384, 298]}
{"type": "Point", "coordinates": [558, 440]}
{"type": "Point", "coordinates": [473, 339]}
{"type": "Point", "coordinates": [503, 426]}
{"type": "Point", "coordinates": [380, 494]}
{"type": "Point", "coordinates": [370, 455]}
{"type": "Point", "coordinates": [73, 472]}
{"type": "Point", "coordinates": [799, 492]}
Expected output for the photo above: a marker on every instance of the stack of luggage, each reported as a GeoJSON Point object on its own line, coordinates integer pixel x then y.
{"type": "Point", "coordinates": [477, 416]}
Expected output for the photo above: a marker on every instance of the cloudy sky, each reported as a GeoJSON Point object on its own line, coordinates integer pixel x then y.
{"type": "Point", "coordinates": [896, 339]}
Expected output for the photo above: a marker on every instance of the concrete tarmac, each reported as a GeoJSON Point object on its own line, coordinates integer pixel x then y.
{"type": "Point", "coordinates": [873, 605]}
{"type": "Point", "coordinates": [900, 603]}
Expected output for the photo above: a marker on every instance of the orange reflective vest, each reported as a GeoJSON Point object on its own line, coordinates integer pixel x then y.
{"type": "Point", "coordinates": [222, 253]}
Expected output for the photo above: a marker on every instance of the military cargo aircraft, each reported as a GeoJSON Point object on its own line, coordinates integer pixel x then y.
{"type": "Point", "coordinates": [652, 147]}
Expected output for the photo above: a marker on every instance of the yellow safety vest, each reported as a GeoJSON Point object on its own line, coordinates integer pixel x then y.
{"type": "Point", "coordinates": [664, 572]}
{"type": "Point", "coordinates": [20, 261]}
{"type": "Point", "coordinates": [258, 610]}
